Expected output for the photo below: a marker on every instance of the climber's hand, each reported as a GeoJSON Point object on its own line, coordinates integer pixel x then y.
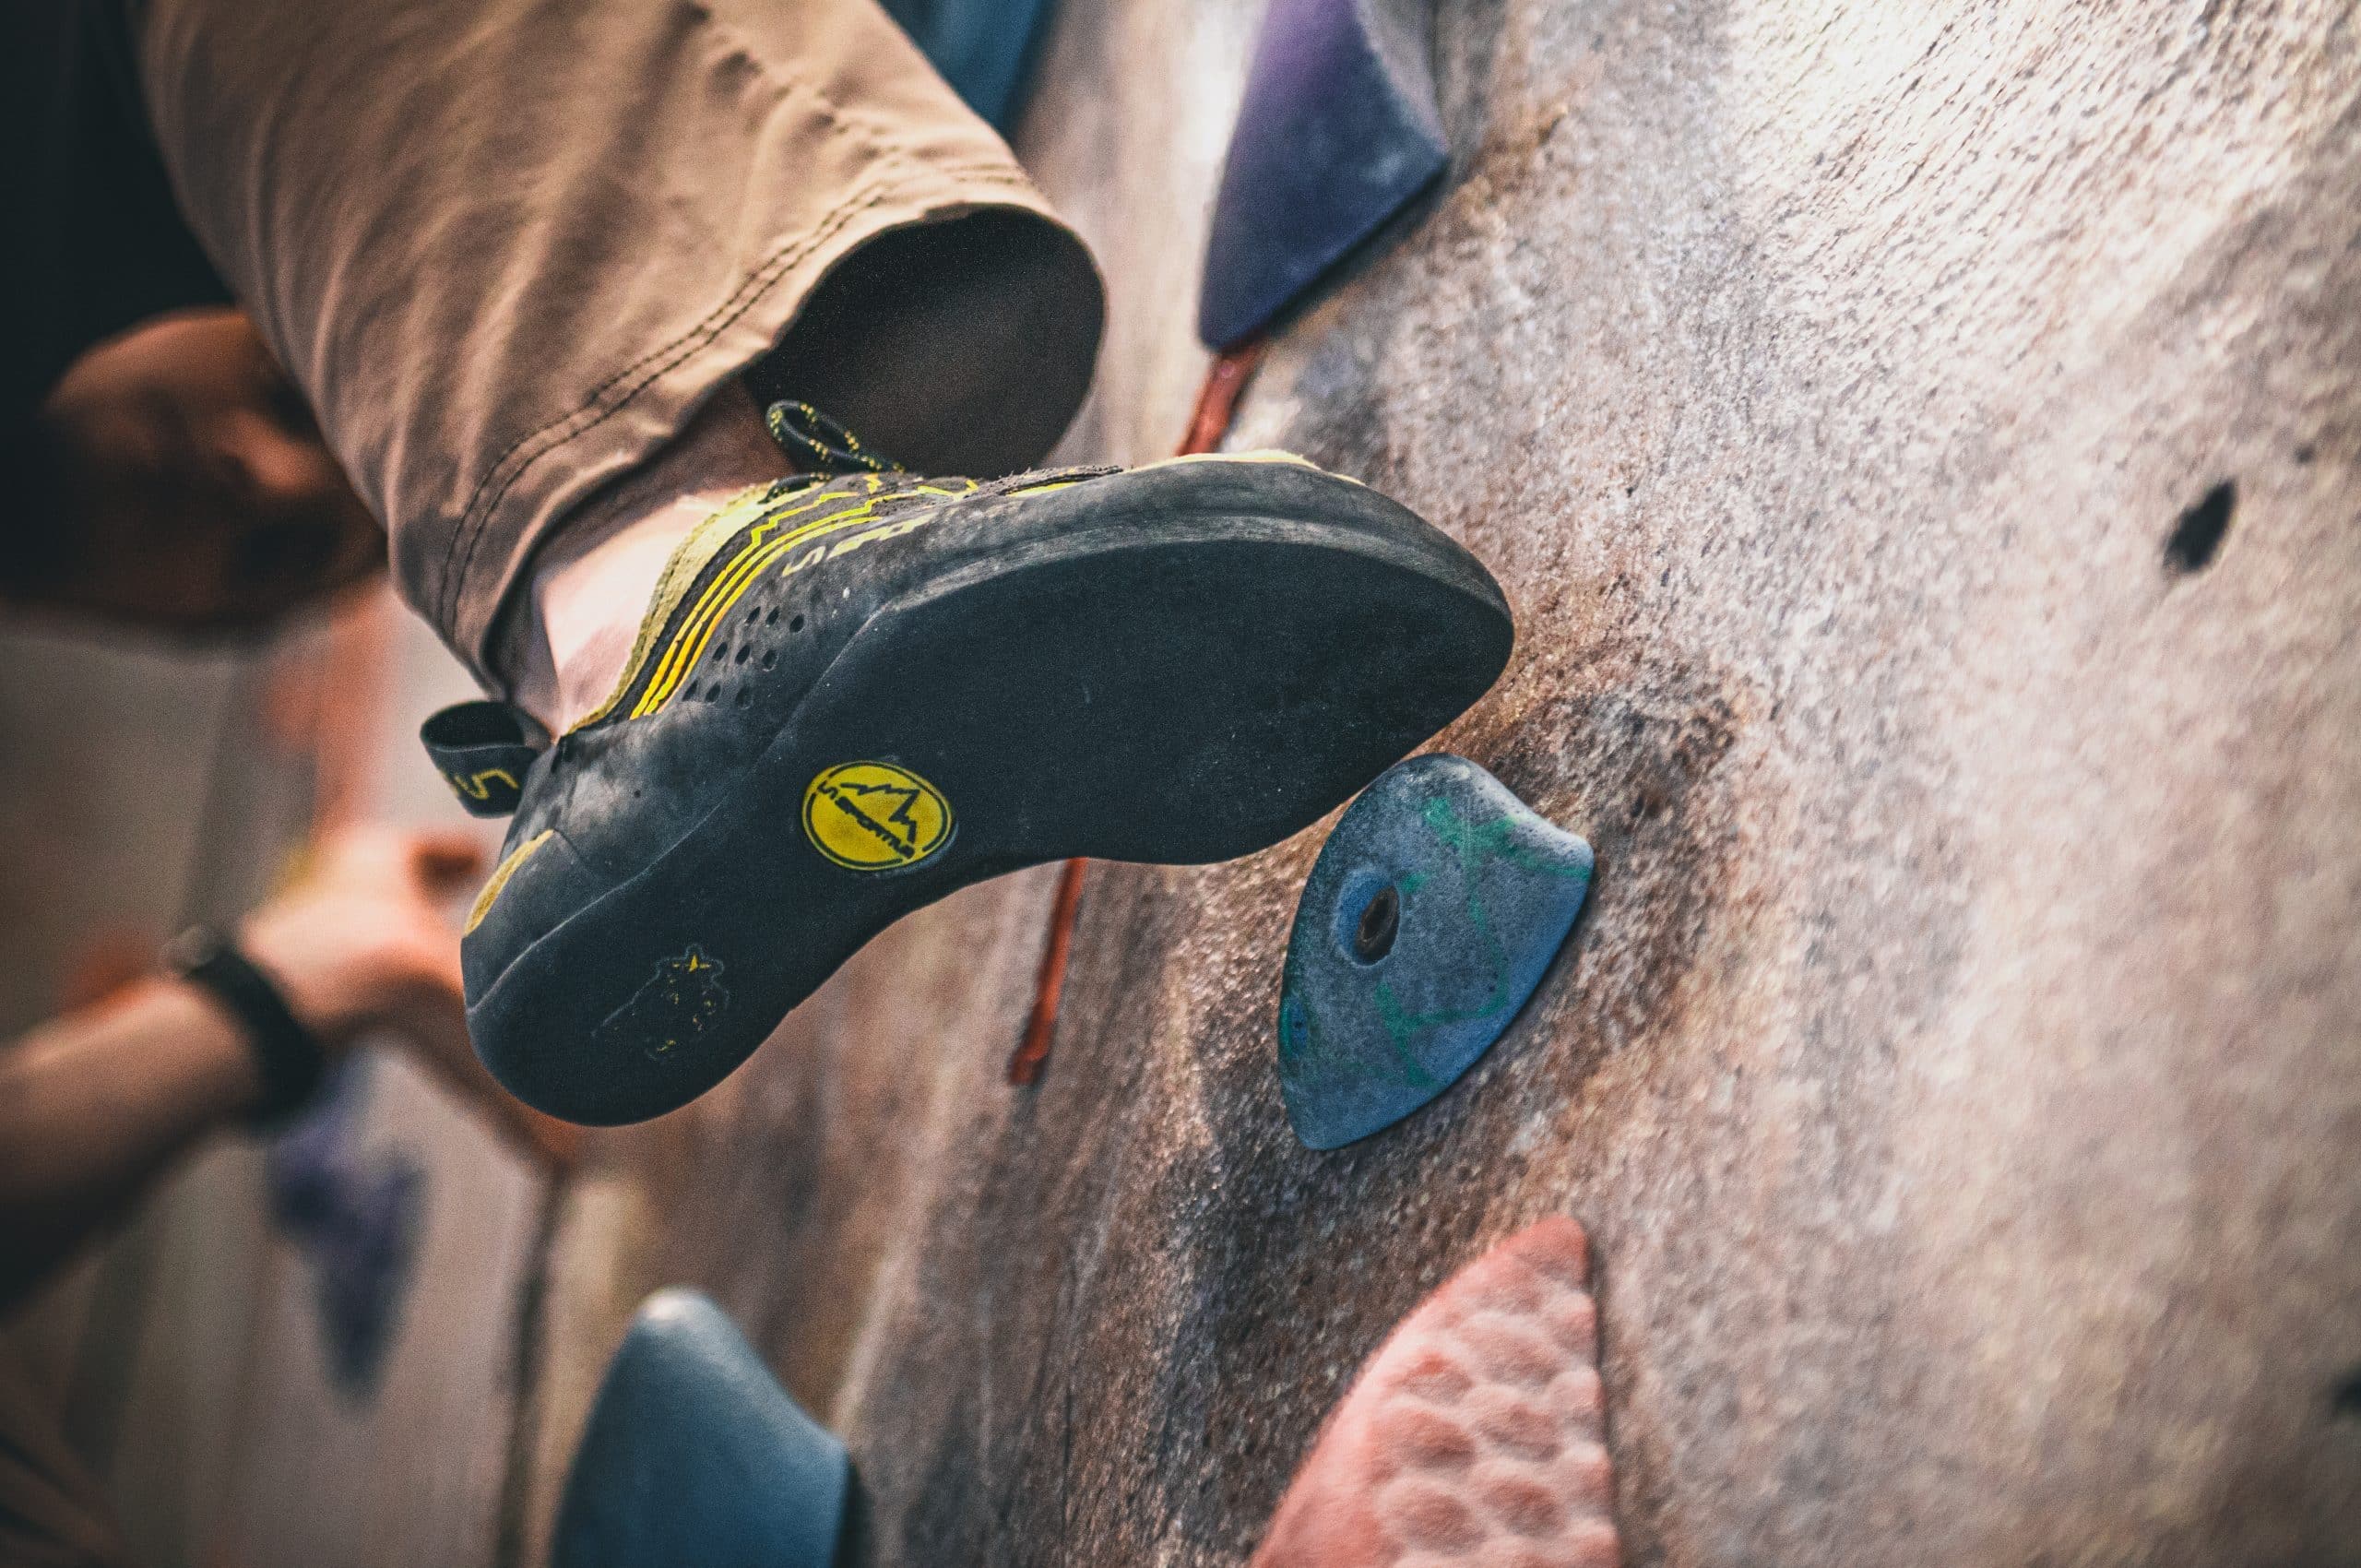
{"type": "Point", "coordinates": [361, 943]}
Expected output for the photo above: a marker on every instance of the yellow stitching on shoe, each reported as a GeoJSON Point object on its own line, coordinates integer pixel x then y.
{"type": "Point", "coordinates": [698, 547]}
{"type": "Point", "coordinates": [725, 590]}
{"type": "Point", "coordinates": [687, 645]}
{"type": "Point", "coordinates": [697, 631]}
{"type": "Point", "coordinates": [667, 676]}
{"type": "Point", "coordinates": [688, 558]}
{"type": "Point", "coordinates": [875, 535]}
{"type": "Point", "coordinates": [508, 868]}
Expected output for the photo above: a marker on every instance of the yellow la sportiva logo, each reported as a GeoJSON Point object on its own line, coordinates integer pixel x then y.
{"type": "Point", "coordinates": [874, 816]}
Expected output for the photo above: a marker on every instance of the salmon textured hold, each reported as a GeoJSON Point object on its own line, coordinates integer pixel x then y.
{"type": "Point", "coordinates": [1476, 1435]}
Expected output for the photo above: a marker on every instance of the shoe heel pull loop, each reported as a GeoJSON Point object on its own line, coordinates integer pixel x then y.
{"type": "Point", "coordinates": [810, 437]}
{"type": "Point", "coordinates": [482, 750]}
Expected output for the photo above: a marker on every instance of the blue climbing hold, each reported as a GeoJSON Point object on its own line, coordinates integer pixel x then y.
{"type": "Point", "coordinates": [983, 48]}
{"type": "Point", "coordinates": [693, 1453]}
{"type": "Point", "coordinates": [1430, 916]}
{"type": "Point", "coordinates": [356, 1218]}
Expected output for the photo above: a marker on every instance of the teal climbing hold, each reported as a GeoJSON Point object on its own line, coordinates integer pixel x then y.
{"type": "Point", "coordinates": [693, 1453]}
{"type": "Point", "coordinates": [1430, 916]}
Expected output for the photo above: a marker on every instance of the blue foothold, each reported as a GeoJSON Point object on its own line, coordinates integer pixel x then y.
{"type": "Point", "coordinates": [693, 1453]}
{"type": "Point", "coordinates": [983, 48]}
{"type": "Point", "coordinates": [1431, 914]}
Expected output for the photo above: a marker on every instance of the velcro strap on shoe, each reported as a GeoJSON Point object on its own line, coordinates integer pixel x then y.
{"type": "Point", "coordinates": [482, 750]}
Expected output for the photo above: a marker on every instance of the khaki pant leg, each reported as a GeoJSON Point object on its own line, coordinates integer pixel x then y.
{"type": "Point", "coordinates": [507, 247]}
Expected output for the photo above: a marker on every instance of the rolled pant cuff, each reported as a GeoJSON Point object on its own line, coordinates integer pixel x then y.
{"type": "Point", "coordinates": [623, 424]}
{"type": "Point", "coordinates": [508, 248]}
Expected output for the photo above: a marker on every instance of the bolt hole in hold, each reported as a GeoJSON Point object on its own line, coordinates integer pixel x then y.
{"type": "Point", "coordinates": [795, 623]}
{"type": "Point", "coordinates": [1381, 918]}
{"type": "Point", "coordinates": [2345, 1399]}
{"type": "Point", "coordinates": [2199, 532]}
{"type": "Point", "coordinates": [1365, 915]}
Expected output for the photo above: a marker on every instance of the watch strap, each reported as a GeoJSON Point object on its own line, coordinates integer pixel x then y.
{"type": "Point", "coordinates": [288, 1055]}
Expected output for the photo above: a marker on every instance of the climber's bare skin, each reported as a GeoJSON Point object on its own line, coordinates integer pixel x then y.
{"type": "Point", "coordinates": [565, 640]}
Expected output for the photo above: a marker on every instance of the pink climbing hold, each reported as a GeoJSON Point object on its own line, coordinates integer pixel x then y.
{"type": "Point", "coordinates": [1475, 1435]}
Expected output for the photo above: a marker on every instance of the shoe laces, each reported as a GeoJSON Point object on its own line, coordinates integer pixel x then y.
{"type": "Point", "coordinates": [826, 449]}
{"type": "Point", "coordinates": [818, 443]}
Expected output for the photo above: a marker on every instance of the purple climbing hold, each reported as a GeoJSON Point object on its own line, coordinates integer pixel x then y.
{"type": "Point", "coordinates": [356, 1220]}
{"type": "Point", "coordinates": [1338, 130]}
{"type": "Point", "coordinates": [1430, 916]}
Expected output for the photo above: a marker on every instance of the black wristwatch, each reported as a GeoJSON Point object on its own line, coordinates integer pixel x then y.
{"type": "Point", "coordinates": [286, 1053]}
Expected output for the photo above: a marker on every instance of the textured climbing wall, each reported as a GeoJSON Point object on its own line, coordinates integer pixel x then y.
{"type": "Point", "coordinates": [189, 1356]}
{"type": "Point", "coordinates": [139, 1344]}
{"type": "Point", "coordinates": [1956, 1066]}
{"type": "Point", "coordinates": [399, 1455]}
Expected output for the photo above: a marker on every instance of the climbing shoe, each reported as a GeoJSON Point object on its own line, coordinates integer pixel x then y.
{"type": "Point", "coordinates": [856, 689]}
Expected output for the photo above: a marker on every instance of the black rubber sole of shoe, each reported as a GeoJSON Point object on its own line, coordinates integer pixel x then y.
{"type": "Point", "coordinates": [1163, 685]}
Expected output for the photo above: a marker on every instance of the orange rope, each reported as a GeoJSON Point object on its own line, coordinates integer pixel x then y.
{"type": "Point", "coordinates": [1033, 1051]}
{"type": "Point", "coordinates": [1217, 399]}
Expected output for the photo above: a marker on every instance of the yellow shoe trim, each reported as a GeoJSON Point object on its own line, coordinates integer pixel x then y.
{"type": "Point", "coordinates": [765, 546]}
{"type": "Point", "coordinates": [508, 868]}
{"type": "Point", "coordinates": [765, 543]}
{"type": "Point", "coordinates": [688, 558]}
{"type": "Point", "coordinates": [1260, 455]}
